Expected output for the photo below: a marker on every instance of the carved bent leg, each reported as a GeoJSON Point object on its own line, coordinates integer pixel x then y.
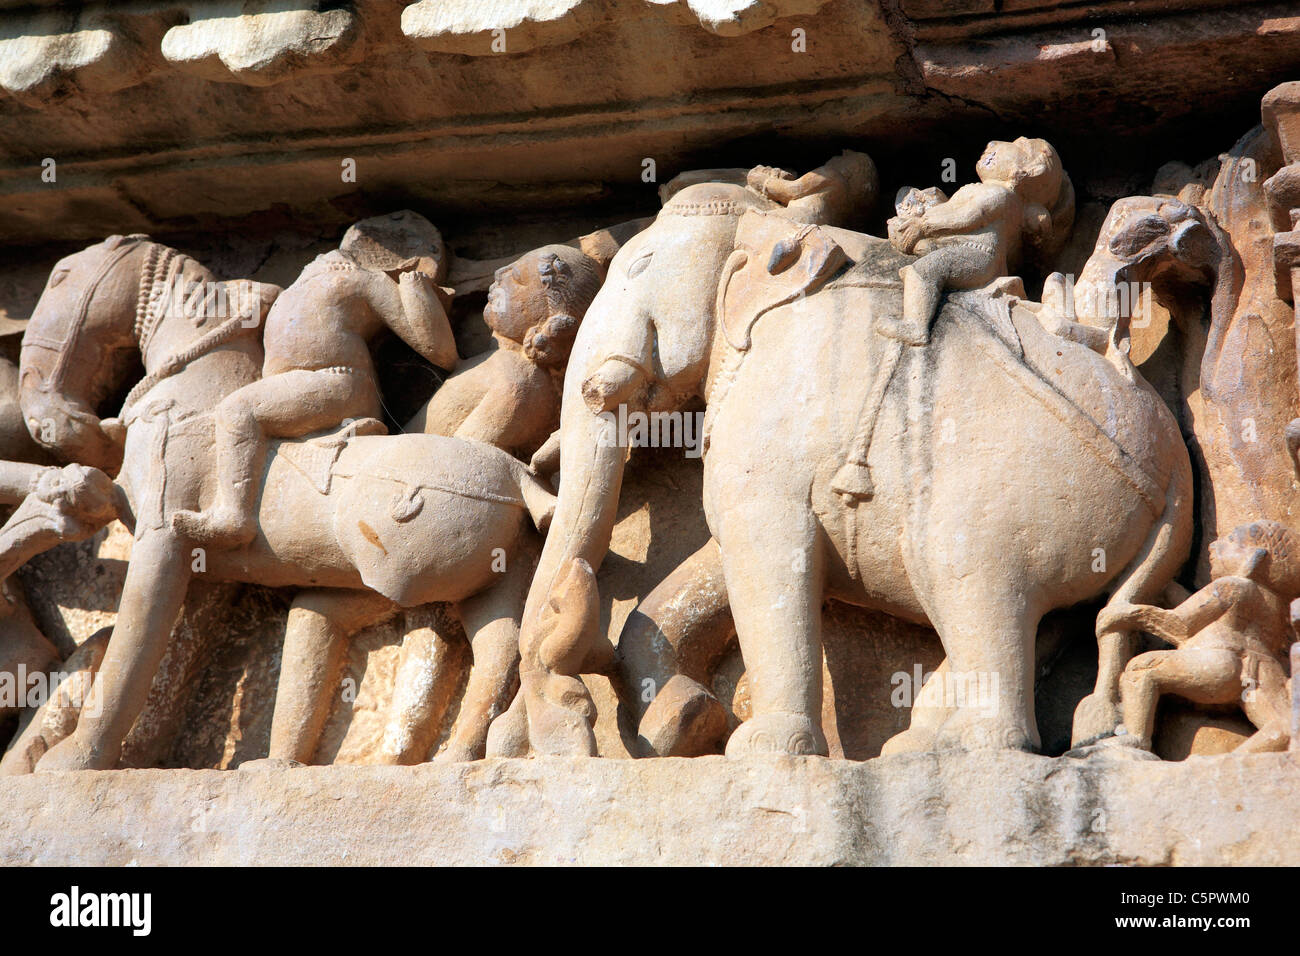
{"type": "Point", "coordinates": [287, 405]}
{"type": "Point", "coordinates": [988, 687]}
{"type": "Point", "coordinates": [156, 581]}
{"type": "Point", "coordinates": [772, 559]}
{"type": "Point", "coordinates": [676, 637]}
{"type": "Point", "coordinates": [1202, 675]}
{"type": "Point", "coordinates": [492, 623]}
{"type": "Point", "coordinates": [315, 644]}
{"type": "Point", "coordinates": [1268, 706]}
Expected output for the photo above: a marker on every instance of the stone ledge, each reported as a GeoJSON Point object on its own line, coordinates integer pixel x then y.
{"type": "Point", "coordinates": [924, 809]}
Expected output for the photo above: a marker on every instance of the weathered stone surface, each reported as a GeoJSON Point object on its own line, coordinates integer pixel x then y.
{"type": "Point", "coordinates": [162, 123]}
{"type": "Point", "coordinates": [918, 810]}
{"type": "Point", "coordinates": [260, 43]}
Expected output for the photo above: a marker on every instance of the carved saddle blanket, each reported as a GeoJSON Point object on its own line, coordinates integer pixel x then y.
{"type": "Point", "coordinates": [777, 261]}
{"type": "Point", "coordinates": [314, 458]}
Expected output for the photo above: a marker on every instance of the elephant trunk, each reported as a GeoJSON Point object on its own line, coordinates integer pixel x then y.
{"type": "Point", "coordinates": [615, 382]}
{"type": "Point", "coordinates": [592, 458]}
{"type": "Point", "coordinates": [1104, 296]}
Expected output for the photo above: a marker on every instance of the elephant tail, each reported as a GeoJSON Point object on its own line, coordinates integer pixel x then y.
{"type": "Point", "coordinates": [1165, 551]}
{"type": "Point", "coordinates": [539, 499]}
{"type": "Point", "coordinates": [1167, 545]}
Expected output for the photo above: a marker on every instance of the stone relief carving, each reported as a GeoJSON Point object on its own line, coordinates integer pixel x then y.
{"type": "Point", "coordinates": [1104, 459]}
{"type": "Point", "coordinates": [262, 42]}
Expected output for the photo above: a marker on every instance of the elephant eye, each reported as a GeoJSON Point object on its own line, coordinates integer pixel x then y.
{"type": "Point", "coordinates": [57, 277]}
{"type": "Point", "coordinates": [636, 268]}
{"type": "Point", "coordinates": [1138, 235]}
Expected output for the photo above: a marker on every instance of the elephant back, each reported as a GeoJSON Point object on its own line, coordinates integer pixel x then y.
{"type": "Point", "coordinates": [715, 199]}
{"type": "Point", "coordinates": [1122, 422]}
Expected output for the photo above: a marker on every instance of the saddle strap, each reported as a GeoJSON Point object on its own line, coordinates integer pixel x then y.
{"type": "Point", "coordinates": [853, 480]}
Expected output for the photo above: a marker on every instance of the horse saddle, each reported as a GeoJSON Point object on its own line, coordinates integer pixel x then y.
{"type": "Point", "coordinates": [314, 457]}
{"type": "Point", "coordinates": [775, 261]}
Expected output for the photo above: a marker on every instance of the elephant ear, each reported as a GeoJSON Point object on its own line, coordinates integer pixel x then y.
{"type": "Point", "coordinates": [775, 261]}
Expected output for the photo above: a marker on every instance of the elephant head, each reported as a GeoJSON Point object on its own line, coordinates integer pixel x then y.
{"type": "Point", "coordinates": [644, 346]}
{"type": "Point", "coordinates": [1145, 240]}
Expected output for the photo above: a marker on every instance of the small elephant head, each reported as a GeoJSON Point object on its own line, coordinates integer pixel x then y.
{"type": "Point", "coordinates": [1153, 240]}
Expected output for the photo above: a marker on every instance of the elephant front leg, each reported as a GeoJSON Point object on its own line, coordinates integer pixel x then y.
{"type": "Point", "coordinates": [156, 581]}
{"type": "Point", "coordinates": [773, 564]}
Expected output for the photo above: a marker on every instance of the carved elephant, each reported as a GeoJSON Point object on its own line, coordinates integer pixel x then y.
{"type": "Point", "coordinates": [1004, 462]}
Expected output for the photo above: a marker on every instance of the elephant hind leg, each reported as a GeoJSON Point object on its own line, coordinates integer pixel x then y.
{"type": "Point", "coordinates": [988, 688]}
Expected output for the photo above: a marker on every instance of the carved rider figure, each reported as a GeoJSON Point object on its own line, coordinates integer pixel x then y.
{"type": "Point", "coordinates": [318, 369]}
{"type": "Point", "coordinates": [509, 396]}
{"type": "Point", "coordinates": [1023, 199]}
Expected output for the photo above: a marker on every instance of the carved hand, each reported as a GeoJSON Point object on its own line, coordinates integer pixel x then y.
{"type": "Point", "coordinates": [910, 233]}
{"type": "Point", "coordinates": [760, 176]}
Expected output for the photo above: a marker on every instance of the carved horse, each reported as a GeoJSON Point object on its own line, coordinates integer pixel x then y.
{"type": "Point", "coordinates": [355, 521]}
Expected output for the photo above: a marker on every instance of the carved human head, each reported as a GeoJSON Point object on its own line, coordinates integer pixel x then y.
{"type": "Point", "coordinates": [1032, 169]}
{"type": "Point", "coordinates": [859, 175]}
{"type": "Point", "coordinates": [1028, 166]}
{"type": "Point", "coordinates": [910, 202]}
{"type": "Point", "coordinates": [539, 301]}
{"type": "Point", "coordinates": [396, 242]}
{"type": "Point", "coordinates": [1264, 551]}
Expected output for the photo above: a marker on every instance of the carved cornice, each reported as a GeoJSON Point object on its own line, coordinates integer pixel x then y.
{"type": "Point", "coordinates": [46, 52]}
{"type": "Point", "coordinates": [168, 115]}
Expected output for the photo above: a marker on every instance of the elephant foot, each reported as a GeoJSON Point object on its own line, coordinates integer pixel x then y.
{"type": "Point", "coordinates": [1096, 718]}
{"type": "Point", "coordinates": [794, 734]}
{"type": "Point", "coordinates": [1122, 748]}
{"type": "Point", "coordinates": [909, 741]}
{"type": "Point", "coordinates": [68, 754]}
{"type": "Point", "coordinates": [458, 753]}
{"type": "Point", "coordinates": [508, 734]}
{"type": "Point", "coordinates": [968, 730]}
{"type": "Point", "coordinates": [684, 720]}
{"type": "Point", "coordinates": [560, 732]}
